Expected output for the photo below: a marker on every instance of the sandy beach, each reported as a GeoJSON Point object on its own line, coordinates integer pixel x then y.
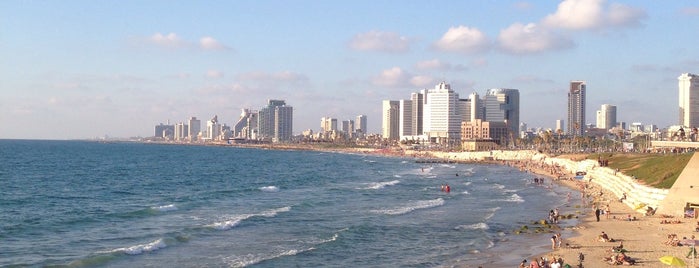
{"type": "Point", "coordinates": [644, 238]}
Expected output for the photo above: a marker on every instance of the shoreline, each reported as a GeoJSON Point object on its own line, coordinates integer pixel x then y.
{"type": "Point", "coordinates": [642, 238]}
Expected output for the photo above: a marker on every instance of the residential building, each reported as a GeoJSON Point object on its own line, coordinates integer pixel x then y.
{"type": "Point", "coordinates": [480, 135]}
{"type": "Point", "coordinates": [606, 117]}
{"type": "Point", "coordinates": [405, 120]}
{"type": "Point", "coordinates": [689, 100]}
{"type": "Point", "coordinates": [441, 120]}
{"type": "Point", "coordinates": [194, 128]}
{"type": "Point", "coordinates": [576, 108]}
{"type": "Point", "coordinates": [391, 117]}
{"type": "Point", "coordinates": [502, 105]}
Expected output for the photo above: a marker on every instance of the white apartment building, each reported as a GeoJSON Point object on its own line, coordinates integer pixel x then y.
{"type": "Point", "coordinates": [606, 117]}
{"type": "Point", "coordinates": [689, 100]}
{"type": "Point", "coordinates": [441, 119]}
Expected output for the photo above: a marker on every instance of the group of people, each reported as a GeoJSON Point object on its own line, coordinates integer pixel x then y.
{"type": "Point", "coordinates": [604, 237]}
{"type": "Point", "coordinates": [446, 188]}
{"type": "Point", "coordinates": [553, 216]}
{"type": "Point", "coordinates": [542, 263]}
{"type": "Point", "coordinates": [620, 259]}
{"type": "Point", "coordinates": [556, 241]}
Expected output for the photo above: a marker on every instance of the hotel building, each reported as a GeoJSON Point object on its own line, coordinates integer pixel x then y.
{"type": "Point", "coordinates": [576, 108]}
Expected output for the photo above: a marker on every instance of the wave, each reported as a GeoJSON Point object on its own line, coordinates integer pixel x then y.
{"type": "Point", "coordinates": [233, 221]}
{"type": "Point", "coordinates": [515, 198]}
{"type": "Point", "coordinates": [397, 175]}
{"type": "Point", "coordinates": [422, 204]}
{"type": "Point", "coordinates": [251, 259]}
{"type": "Point", "coordinates": [141, 248]}
{"type": "Point", "coordinates": [448, 166]}
{"type": "Point", "coordinates": [270, 188]}
{"type": "Point", "coordinates": [467, 183]}
{"type": "Point", "coordinates": [475, 226]}
{"type": "Point", "coordinates": [465, 192]}
{"type": "Point", "coordinates": [170, 207]}
{"type": "Point", "coordinates": [381, 185]}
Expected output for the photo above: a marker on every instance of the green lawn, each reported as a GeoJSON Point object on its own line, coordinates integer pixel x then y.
{"type": "Point", "coordinates": [656, 170]}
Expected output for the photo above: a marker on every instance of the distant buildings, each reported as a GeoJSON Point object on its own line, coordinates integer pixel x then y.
{"type": "Point", "coordinates": [576, 108]}
{"type": "Point", "coordinates": [606, 117]}
{"type": "Point", "coordinates": [689, 100]}
{"type": "Point", "coordinates": [560, 126]}
{"type": "Point", "coordinates": [438, 116]}
{"type": "Point", "coordinates": [361, 127]}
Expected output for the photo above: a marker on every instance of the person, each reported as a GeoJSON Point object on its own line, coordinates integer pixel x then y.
{"type": "Point", "coordinates": [553, 242]}
{"type": "Point", "coordinates": [607, 211]}
{"type": "Point", "coordinates": [534, 264]}
{"type": "Point", "coordinates": [523, 264]}
{"type": "Point", "coordinates": [597, 213]}
{"type": "Point", "coordinates": [447, 188]}
{"type": "Point", "coordinates": [555, 264]}
{"type": "Point", "coordinates": [604, 237]}
{"type": "Point", "coordinates": [623, 197]}
{"type": "Point", "coordinates": [559, 240]}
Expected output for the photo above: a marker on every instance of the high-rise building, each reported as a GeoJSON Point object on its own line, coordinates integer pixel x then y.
{"type": "Point", "coordinates": [194, 128]}
{"type": "Point", "coordinates": [347, 126]}
{"type": "Point", "coordinates": [576, 108]}
{"type": "Point", "coordinates": [405, 120]}
{"type": "Point", "coordinates": [361, 125]}
{"type": "Point", "coordinates": [213, 129]}
{"type": "Point", "coordinates": [502, 105]}
{"type": "Point", "coordinates": [275, 121]}
{"type": "Point", "coordinates": [283, 123]}
{"type": "Point", "coordinates": [560, 126]}
{"type": "Point", "coordinates": [689, 100]}
{"type": "Point", "coordinates": [181, 131]}
{"type": "Point", "coordinates": [328, 124]}
{"type": "Point", "coordinates": [417, 112]}
{"type": "Point", "coordinates": [606, 117]}
{"type": "Point", "coordinates": [239, 129]}
{"type": "Point", "coordinates": [390, 114]}
{"type": "Point", "coordinates": [441, 119]}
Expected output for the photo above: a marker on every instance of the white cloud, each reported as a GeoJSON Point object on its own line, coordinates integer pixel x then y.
{"type": "Point", "coordinates": [209, 43]}
{"type": "Point", "coordinates": [592, 15]}
{"type": "Point", "coordinates": [380, 41]}
{"type": "Point", "coordinates": [530, 38]}
{"type": "Point", "coordinates": [463, 39]}
{"type": "Point", "coordinates": [433, 64]}
{"type": "Point", "coordinates": [394, 77]}
{"type": "Point", "coordinates": [170, 40]}
{"type": "Point", "coordinates": [214, 74]}
{"type": "Point", "coordinates": [421, 81]}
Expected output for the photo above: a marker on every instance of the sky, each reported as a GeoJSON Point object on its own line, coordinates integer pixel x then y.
{"type": "Point", "coordinates": [85, 69]}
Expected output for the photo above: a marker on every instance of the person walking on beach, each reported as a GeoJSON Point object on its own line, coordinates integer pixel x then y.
{"type": "Point", "coordinates": [607, 211]}
{"type": "Point", "coordinates": [597, 213]}
{"type": "Point", "coordinates": [553, 242]}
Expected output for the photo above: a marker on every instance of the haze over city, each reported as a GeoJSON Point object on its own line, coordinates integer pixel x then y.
{"type": "Point", "coordinates": [84, 69]}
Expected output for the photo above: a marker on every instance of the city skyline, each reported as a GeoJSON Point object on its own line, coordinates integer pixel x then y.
{"type": "Point", "coordinates": [82, 69]}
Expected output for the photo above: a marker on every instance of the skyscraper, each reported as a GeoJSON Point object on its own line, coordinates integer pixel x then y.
{"type": "Point", "coordinates": [405, 121]}
{"type": "Point", "coordinates": [283, 123]}
{"type": "Point", "coordinates": [441, 118]}
{"type": "Point", "coordinates": [389, 127]}
{"type": "Point", "coordinates": [560, 123]}
{"type": "Point", "coordinates": [689, 100]}
{"type": "Point", "coordinates": [361, 124]}
{"type": "Point", "coordinates": [576, 108]}
{"type": "Point", "coordinates": [417, 99]}
{"type": "Point", "coordinates": [606, 116]}
{"type": "Point", "coordinates": [194, 128]}
{"type": "Point", "coordinates": [502, 105]}
{"type": "Point", "coordinates": [275, 121]}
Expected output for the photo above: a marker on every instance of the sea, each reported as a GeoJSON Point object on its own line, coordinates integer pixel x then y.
{"type": "Point", "coordinates": [95, 204]}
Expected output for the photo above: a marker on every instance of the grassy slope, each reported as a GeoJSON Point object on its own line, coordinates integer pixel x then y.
{"type": "Point", "coordinates": [656, 170]}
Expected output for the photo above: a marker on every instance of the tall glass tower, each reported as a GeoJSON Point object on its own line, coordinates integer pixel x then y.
{"type": "Point", "coordinates": [576, 108]}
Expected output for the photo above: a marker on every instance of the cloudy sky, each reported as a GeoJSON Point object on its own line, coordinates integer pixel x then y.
{"type": "Point", "coordinates": [84, 69]}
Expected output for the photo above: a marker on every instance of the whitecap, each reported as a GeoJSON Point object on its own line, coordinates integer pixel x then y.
{"type": "Point", "coordinates": [381, 185]}
{"type": "Point", "coordinates": [233, 221]}
{"type": "Point", "coordinates": [397, 175]}
{"type": "Point", "coordinates": [465, 192]}
{"type": "Point", "coordinates": [422, 204]}
{"type": "Point", "coordinates": [138, 249]}
{"type": "Point", "coordinates": [515, 198]}
{"type": "Point", "coordinates": [467, 183]}
{"type": "Point", "coordinates": [270, 188]}
{"type": "Point", "coordinates": [250, 259]}
{"type": "Point", "coordinates": [165, 208]}
{"type": "Point", "coordinates": [475, 226]}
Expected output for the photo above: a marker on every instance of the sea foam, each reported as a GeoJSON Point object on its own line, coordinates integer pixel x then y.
{"type": "Point", "coordinates": [380, 185]}
{"type": "Point", "coordinates": [270, 188]}
{"type": "Point", "coordinates": [234, 220]}
{"type": "Point", "coordinates": [165, 208]}
{"type": "Point", "coordinates": [138, 249]}
{"type": "Point", "coordinates": [411, 207]}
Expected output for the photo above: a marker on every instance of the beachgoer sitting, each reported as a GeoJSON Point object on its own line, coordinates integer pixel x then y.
{"type": "Point", "coordinates": [650, 211]}
{"type": "Point", "coordinates": [619, 248]}
{"type": "Point", "coordinates": [604, 238]}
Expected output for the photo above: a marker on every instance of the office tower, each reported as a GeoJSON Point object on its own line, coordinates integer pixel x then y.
{"type": "Point", "coordinates": [560, 123]}
{"type": "Point", "coordinates": [470, 108]}
{"type": "Point", "coordinates": [164, 131]}
{"type": "Point", "coordinates": [181, 131]}
{"type": "Point", "coordinates": [240, 127]}
{"type": "Point", "coordinates": [328, 124]}
{"type": "Point", "coordinates": [389, 127]}
{"type": "Point", "coordinates": [689, 100]}
{"type": "Point", "coordinates": [417, 112]}
{"type": "Point", "coordinates": [213, 129]}
{"type": "Point", "coordinates": [441, 121]}
{"type": "Point", "coordinates": [405, 118]}
{"type": "Point", "coordinates": [274, 118]}
{"type": "Point", "coordinates": [283, 123]}
{"type": "Point", "coordinates": [361, 124]}
{"type": "Point", "coordinates": [194, 128]}
{"type": "Point", "coordinates": [606, 117]}
{"type": "Point", "coordinates": [576, 108]}
{"type": "Point", "coordinates": [502, 105]}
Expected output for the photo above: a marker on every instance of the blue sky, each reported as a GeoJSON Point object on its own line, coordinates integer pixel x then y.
{"type": "Point", "coordinates": [84, 69]}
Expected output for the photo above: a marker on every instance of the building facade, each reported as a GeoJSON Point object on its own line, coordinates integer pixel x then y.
{"type": "Point", "coordinates": [606, 117]}
{"type": "Point", "coordinates": [361, 127]}
{"type": "Point", "coordinates": [480, 135]}
{"type": "Point", "coordinates": [390, 114]}
{"type": "Point", "coordinates": [441, 119]}
{"type": "Point", "coordinates": [405, 121]}
{"type": "Point", "coordinates": [576, 108]}
{"type": "Point", "coordinates": [689, 100]}
{"type": "Point", "coordinates": [502, 105]}
{"type": "Point", "coordinates": [194, 128]}
{"type": "Point", "coordinates": [283, 123]}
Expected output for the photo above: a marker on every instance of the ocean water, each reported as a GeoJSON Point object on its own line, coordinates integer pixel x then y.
{"type": "Point", "coordinates": [88, 204]}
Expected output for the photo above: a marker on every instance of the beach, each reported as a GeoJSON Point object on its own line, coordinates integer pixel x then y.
{"type": "Point", "coordinates": [645, 238]}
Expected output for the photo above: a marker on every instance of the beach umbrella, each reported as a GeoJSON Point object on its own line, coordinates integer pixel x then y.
{"type": "Point", "coordinates": [672, 261]}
